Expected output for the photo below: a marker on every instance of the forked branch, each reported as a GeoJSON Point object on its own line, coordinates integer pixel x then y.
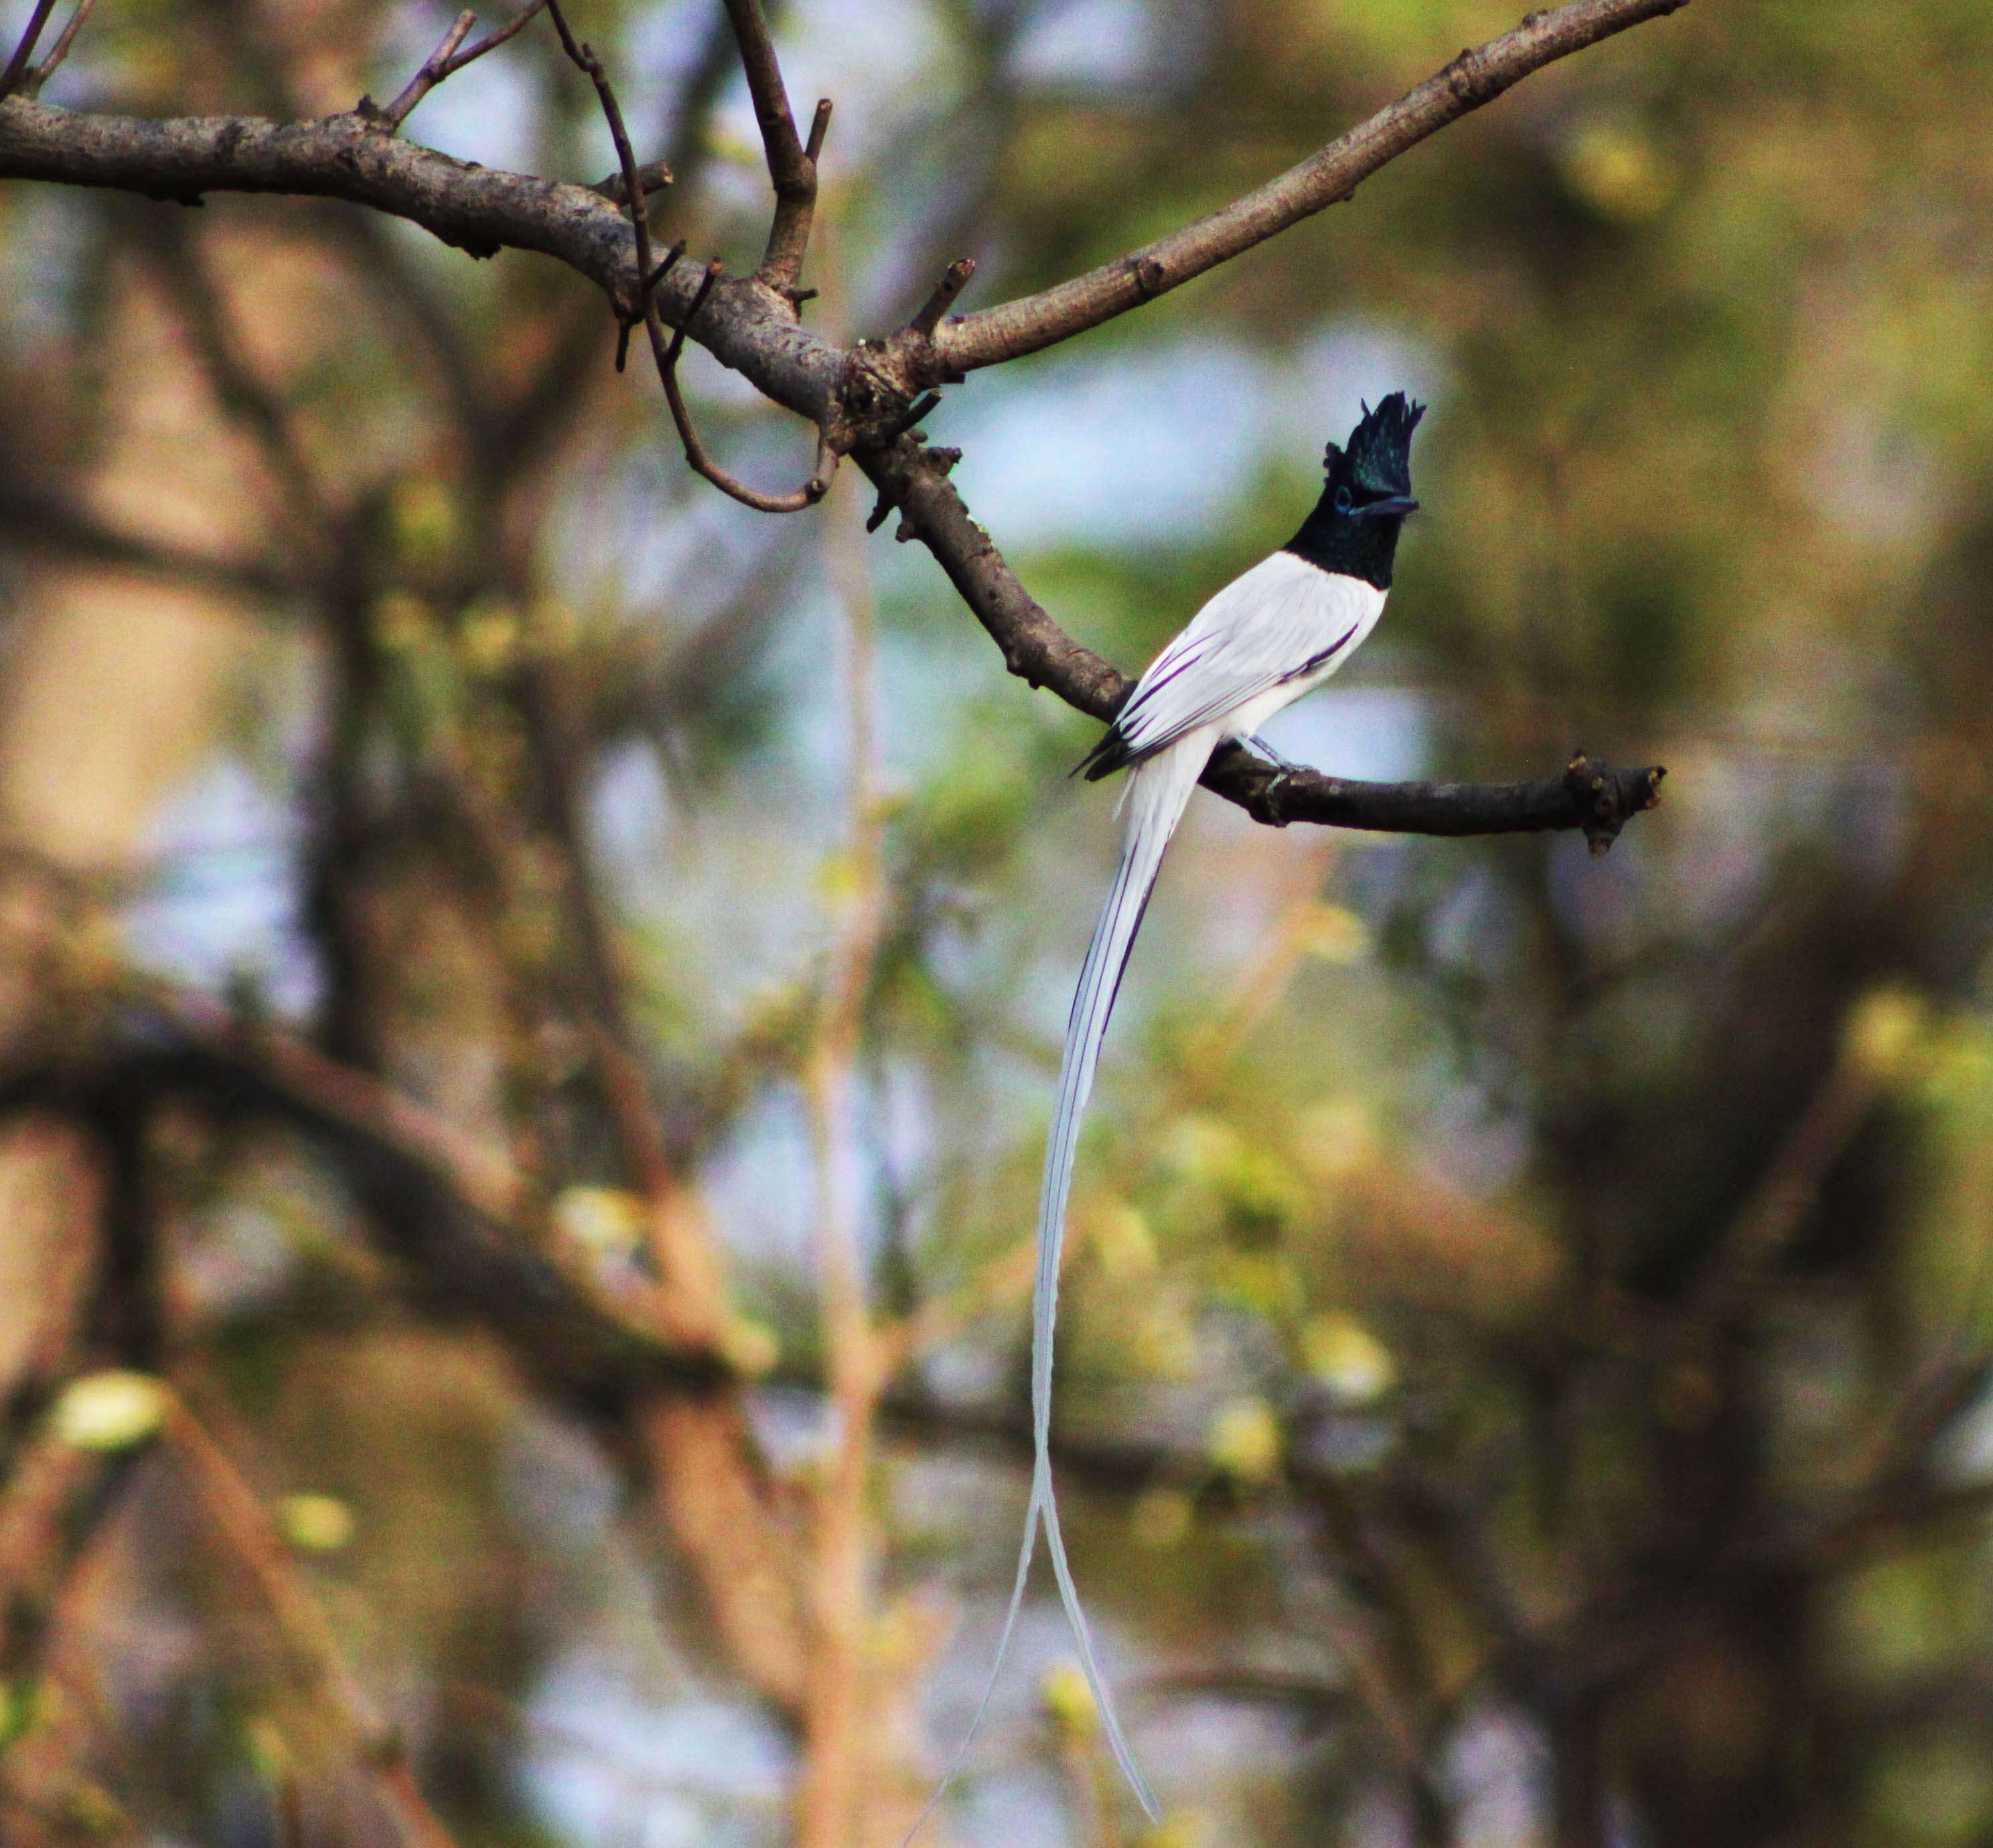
{"type": "Point", "coordinates": [650, 274]}
{"type": "Point", "coordinates": [18, 63]}
{"type": "Point", "coordinates": [791, 166]}
{"type": "Point", "coordinates": [448, 59]}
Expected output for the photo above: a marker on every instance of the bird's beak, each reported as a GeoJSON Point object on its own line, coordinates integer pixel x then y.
{"type": "Point", "coordinates": [1395, 508]}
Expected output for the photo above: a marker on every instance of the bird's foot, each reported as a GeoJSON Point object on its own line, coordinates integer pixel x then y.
{"type": "Point", "coordinates": [1285, 766]}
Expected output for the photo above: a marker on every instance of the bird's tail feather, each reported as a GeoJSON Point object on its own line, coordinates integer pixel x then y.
{"type": "Point", "coordinates": [1153, 801]}
{"type": "Point", "coordinates": [1157, 792]}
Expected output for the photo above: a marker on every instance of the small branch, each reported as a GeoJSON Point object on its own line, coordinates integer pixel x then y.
{"type": "Point", "coordinates": [652, 176]}
{"type": "Point", "coordinates": [954, 280]}
{"type": "Point", "coordinates": [433, 71]}
{"type": "Point", "coordinates": [446, 60]}
{"type": "Point", "coordinates": [11, 76]}
{"type": "Point", "coordinates": [791, 166]}
{"type": "Point", "coordinates": [31, 85]}
{"type": "Point", "coordinates": [1323, 178]}
{"type": "Point", "coordinates": [511, 29]}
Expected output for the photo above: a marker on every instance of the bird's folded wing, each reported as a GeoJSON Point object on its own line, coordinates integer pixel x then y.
{"type": "Point", "coordinates": [1283, 620]}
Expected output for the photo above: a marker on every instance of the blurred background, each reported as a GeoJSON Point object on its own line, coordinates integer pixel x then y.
{"type": "Point", "coordinates": [530, 993]}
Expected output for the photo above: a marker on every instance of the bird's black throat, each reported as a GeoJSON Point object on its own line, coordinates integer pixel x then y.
{"type": "Point", "coordinates": [1341, 542]}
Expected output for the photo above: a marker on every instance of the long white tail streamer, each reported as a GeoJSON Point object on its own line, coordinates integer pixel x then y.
{"type": "Point", "coordinates": [1157, 790]}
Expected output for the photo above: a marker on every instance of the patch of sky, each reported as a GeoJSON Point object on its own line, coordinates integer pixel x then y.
{"type": "Point", "coordinates": [1497, 1774]}
{"type": "Point", "coordinates": [1102, 44]}
{"type": "Point", "coordinates": [606, 1765]}
{"type": "Point", "coordinates": [488, 112]}
{"type": "Point", "coordinates": [221, 904]}
{"type": "Point", "coordinates": [1110, 444]}
{"type": "Point", "coordinates": [882, 63]}
{"type": "Point", "coordinates": [42, 265]}
{"type": "Point", "coordinates": [646, 536]}
{"type": "Point", "coordinates": [761, 1181]}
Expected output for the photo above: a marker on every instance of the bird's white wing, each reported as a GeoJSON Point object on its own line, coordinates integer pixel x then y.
{"type": "Point", "coordinates": [1284, 620]}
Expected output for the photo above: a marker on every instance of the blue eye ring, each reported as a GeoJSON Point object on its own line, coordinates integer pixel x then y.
{"type": "Point", "coordinates": [1343, 501]}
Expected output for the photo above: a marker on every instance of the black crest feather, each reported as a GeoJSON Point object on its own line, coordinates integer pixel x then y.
{"type": "Point", "coordinates": [1379, 450]}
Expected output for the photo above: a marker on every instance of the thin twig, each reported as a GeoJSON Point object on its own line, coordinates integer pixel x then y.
{"type": "Point", "coordinates": [1332, 174]}
{"type": "Point", "coordinates": [32, 84]}
{"type": "Point", "coordinates": [26, 50]}
{"type": "Point", "coordinates": [447, 60]}
{"type": "Point", "coordinates": [434, 69]}
{"type": "Point", "coordinates": [517, 24]}
{"type": "Point", "coordinates": [666, 353]}
{"type": "Point", "coordinates": [695, 451]}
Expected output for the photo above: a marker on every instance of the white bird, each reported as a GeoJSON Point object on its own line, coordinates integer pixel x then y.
{"type": "Point", "coordinates": [1270, 636]}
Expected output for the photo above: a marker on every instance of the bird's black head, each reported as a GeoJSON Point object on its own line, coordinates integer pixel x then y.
{"type": "Point", "coordinates": [1368, 493]}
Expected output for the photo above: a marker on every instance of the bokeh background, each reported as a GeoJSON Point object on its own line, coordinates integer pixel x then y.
{"type": "Point", "coordinates": [530, 993]}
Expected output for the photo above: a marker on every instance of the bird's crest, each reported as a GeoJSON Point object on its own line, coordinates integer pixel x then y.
{"type": "Point", "coordinates": [1379, 454]}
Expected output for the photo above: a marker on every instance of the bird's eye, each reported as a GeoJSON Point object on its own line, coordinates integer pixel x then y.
{"type": "Point", "coordinates": [1343, 502]}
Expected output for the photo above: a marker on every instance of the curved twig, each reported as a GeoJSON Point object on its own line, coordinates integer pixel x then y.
{"type": "Point", "coordinates": [702, 463]}
{"type": "Point", "coordinates": [649, 277]}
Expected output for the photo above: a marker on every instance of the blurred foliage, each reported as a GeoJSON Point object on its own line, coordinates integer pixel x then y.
{"type": "Point", "coordinates": [1525, 1340]}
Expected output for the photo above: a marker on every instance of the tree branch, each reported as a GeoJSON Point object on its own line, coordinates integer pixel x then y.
{"type": "Point", "coordinates": [31, 84]}
{"type": "Point", "coordinates": [648, 277]}
{"type": "Point", "coordinates": [25, 49]}
{"type": "Point", "coordinates": [1594, 797]}
{"type": "Point", "coordinates": [862, 399]}
{"type": "Point", "coordinates": [1325, 178]}
{"type": "Point", "coordinates": [791, 166]}
{"type": "Point", "coordinates": [446, 60]}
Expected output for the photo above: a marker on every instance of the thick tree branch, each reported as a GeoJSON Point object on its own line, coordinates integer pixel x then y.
{"type": "Point", "coordinates": [1476, 77]}
{"type": "Point", "coordinates": [479, 210]}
